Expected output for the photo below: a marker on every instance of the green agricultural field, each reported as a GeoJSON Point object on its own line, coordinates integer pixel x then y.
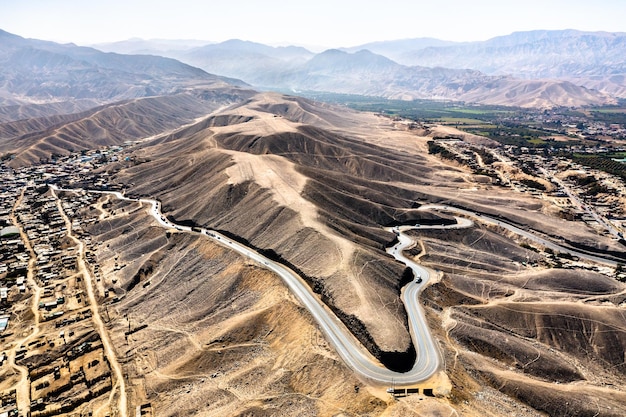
{"type": "Point", "coordinates": [483, 111]}
{"type": "Point", "coordinates": [608, 114]}
{"type": "Point", "coordinates": [536, 141]}
{"type": "Point", "coordinates": [506, 125]}
{"type": "Point", "coordinates": [419, 110]}
{"type": "Point", "coordinates": [609, 110]}
{"type": "Point", "coordinates": [601, 162]}
{"type": "Point", "coordinates": [461, 120]}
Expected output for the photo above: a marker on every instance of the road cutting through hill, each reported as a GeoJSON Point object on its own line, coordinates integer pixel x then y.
{"type": "Point", "coordinates": [345, 343]}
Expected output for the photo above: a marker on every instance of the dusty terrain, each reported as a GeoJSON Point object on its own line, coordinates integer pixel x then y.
{"type": "Point", "coordinates": [33, 139]}
{"type": "Point", "coordinates": [318, 196]}
{"type": "Point", "coordinates": [55, 360]}
{"type": "Point", "coordinates": [200, 331]}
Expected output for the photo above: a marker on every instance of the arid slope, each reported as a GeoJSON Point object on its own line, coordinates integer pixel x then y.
{"type": "Point", "coordinates": [315, 196]}
{"type": "Point", "coordinates": [203, 332]}
{"type": "Point", "coordinates": [312, 185]}
{"type": "Point", "coordinates": [31, 140]}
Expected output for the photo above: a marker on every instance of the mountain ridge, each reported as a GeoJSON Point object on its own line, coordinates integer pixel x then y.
{"type": "Point", "coordinates": [582, 57]}
{"type": "Point", "coordinates": [35, 71]}
{"type": "Point", "coordinates": [405, 76]}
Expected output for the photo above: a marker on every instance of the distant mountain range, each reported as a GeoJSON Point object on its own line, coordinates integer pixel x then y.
{"type": "Point", "coordinates": [538, 68]}
{"type": "Point", "coordinates": [56, 98]}
{"type": "Point", "coordinates": [536, 54]}
{"type": "Point", "coordinates": [591, 59]}
{"type": "Point", "coordinates": [532, 69]}
{"type": "Point", "coordinates": [34, 72]}
{"type": "Point", "coordinates": [34, 139]}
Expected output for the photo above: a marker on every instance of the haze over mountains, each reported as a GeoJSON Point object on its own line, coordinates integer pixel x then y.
{"type": "Point", "coordinates": [566, 67]}
{"type": "Point", "coordinates": [50, 84]}
{"type": "Point", "coordinates": [592, 59]}
{"type": "Point", "coordinates": [528, 54]}
{"type": "Point", "coordinates": [530, 69]}
{"type": "Point", "coordinates": [57, 98]}
{"type": "Point", "coordinates": [76, 78]}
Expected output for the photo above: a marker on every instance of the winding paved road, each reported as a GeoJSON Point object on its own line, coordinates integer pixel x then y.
{"type": "Point", "coordinates": [346, 345]}
{"type": "Point", "coordinates": [428, 359]}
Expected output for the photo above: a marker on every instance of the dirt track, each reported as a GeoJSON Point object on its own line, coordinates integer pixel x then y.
{"type": "Point", "coordinates": [122, 405]}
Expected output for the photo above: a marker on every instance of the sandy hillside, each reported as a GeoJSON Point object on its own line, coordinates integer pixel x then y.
{"type": "Point", "coordinates": [314, 185]}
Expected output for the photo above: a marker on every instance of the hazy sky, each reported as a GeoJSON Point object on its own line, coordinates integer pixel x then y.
{"type": "Point", "coordinates": [330, 23]}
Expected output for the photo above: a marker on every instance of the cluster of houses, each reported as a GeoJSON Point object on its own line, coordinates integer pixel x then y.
{"type": "Point", "coordinates": [608, 205]}
{"type": "Point", "coordinates": [37, 259]}
{"type": "Point", "coordinates": [13, 258]}
{"type": "Point", "coordinates": [565, 122]}
{"type": "Point", "coordinates": [75, 170]}
{"type": "Point", "coordinates": [40, 219]}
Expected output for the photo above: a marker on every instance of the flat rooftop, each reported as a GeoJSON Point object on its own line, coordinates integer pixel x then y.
{"type": "Point", "coordinates": [4, 322]}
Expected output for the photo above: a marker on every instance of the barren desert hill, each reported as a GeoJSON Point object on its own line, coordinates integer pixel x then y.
{"type": "Point", "coordinates": [212, 333]}
{"type": "Point", "coordinates": [33, 139]}
{"type": "Point", "coordinates": [511, 322]}
{"type": "Point", "coordinates": [550, 337]}
{"type": "Point", "coordinates": [537, 94]}
{"type": "Point", "coordinates": [594, 60]}
{"type": "Point", "coordinates": [312, 185]}
{"type": "Point", "coordinates": [318, 196]}
{"type": "Point", "coordinates": [201, 330]}
{"type": "Point", "coordinates": [364, 72]}
{"type": "Point", "coordinates": [361, 71]}
{"type": "Point", "coordinates": [12, 110]}
{"type": "Point", "coordinates": [268, 188]}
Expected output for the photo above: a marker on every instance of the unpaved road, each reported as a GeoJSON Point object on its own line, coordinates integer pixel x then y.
{"type": "Point", "coordinates": [97, 318]}
{"type": "Point", "coordinates": [528, 235]}
{"type": "Point", "coordinates": [23, 387]}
